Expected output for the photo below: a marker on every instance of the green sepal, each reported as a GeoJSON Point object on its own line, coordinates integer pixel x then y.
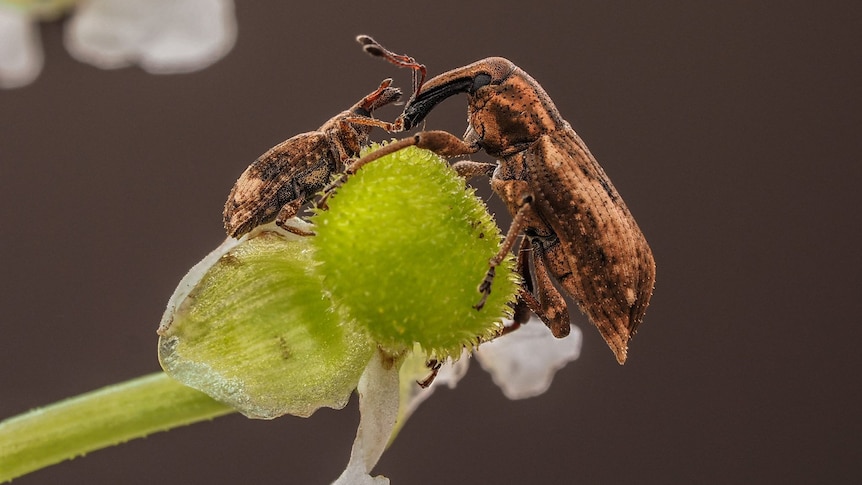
{"type": "Point", "coordinates": [257, 332]}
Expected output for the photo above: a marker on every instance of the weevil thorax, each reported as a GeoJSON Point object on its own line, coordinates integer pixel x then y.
{"type": "Point", "coordinates": [511, 111]}
{"type": "Point", "coordinates": [345, 138]}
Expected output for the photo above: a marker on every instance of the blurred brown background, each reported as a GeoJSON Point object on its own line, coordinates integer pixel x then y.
{"type": "Point", "coordinates": [732, 131]}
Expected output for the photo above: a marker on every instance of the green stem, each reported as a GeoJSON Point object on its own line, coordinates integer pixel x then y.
{"type": "Point", "coordinates": [98, 419]}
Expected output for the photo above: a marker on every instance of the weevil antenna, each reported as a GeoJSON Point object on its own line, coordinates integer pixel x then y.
{"type": "Point", "coordinates": [375, 49]}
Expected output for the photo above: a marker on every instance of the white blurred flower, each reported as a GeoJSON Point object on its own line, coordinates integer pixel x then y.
{"type": "Point", "coordinates": [20, 48]}
{"type": "Point", "coordinates": [162, 36]}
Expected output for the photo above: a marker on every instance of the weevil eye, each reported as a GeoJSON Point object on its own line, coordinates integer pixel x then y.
{"type": "Point", "coordinates": [479, 81]}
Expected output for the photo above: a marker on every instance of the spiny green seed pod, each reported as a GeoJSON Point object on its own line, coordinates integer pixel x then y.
{"type": "Point", "coordinates": [404, 246]}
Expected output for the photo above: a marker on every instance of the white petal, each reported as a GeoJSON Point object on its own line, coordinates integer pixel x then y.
{"type": "Point", "coordinates": [163, 36]}
{"type": "Point", "coordinates": [378, 409]}
{"type": "Point", "coordinates": [20, 48]}
{"type": "Point", "coordinates": [523, 362]}
{"type": "Point", "coordinates": [354, 475]}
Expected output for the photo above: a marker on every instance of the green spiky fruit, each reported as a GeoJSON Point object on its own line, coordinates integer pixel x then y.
{"type": "Point", "coordinates": [404, 246]}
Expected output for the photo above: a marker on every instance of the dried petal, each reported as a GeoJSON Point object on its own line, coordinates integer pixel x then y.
{"type": "Point", "coordinates": [523, 363]}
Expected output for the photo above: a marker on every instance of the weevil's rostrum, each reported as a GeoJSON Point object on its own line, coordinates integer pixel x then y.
{"type": "Point", "coordinates": [281, 180]}
{"type": "Point", "coordinates": [577, 228]}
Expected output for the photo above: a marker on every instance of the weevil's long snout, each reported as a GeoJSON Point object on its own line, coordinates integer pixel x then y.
{"type": "Point", "coordinates": [418, 107]}
{"type": "Point", "coordinates": [467, 79]}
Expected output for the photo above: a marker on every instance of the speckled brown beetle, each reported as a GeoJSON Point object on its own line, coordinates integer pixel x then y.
{"type": "Point", "coordinates": [578, 231]}
{"type": "Point", "coordinates": [281, 180]}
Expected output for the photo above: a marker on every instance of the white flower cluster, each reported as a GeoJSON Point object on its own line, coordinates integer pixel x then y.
{"type": "Point", "coordinates": [161, 36]}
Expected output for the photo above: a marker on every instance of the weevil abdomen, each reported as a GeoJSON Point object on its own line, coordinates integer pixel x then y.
{"type": "Point", "coordinates": [281, 180]}
{"type": "Point", "coordinates": [603, 259]}
{"type": "Point", "coordinates": [277, 178]}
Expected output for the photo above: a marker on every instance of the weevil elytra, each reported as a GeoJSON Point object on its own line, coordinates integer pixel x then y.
{"type": "Point", "coordinates": [577, 230]}
{"type": "Point", "coordinates": [279, 182]}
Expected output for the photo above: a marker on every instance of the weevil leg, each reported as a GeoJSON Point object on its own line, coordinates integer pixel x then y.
{"type": "Point", "coordinates": [352, 166]}
{"type": "Point", "coordinates": [434, 366]}
{"type": "Point", "coordinates": [368, 121]}
{"type": "Point", "coordinates": [469, 169]}
{"type": "Point", "coordinates": [287, 212]}
{"type": "Point", "coordinates": [440, 142]}
{"type": "Point", "coordinates": [550, 306]}
{"type": "Point", "coordinates": [327, 191]}
{"type": "Point", "coordinates": [552, 309]}
{"type": "Point", "coordinates": [517, 227]}
{"type": "Point", "coordinates": [374, 48]}
{"type": "Point", "coordinates": [444, 144]}
{"type": "Point", "coordinates": [521, 313]}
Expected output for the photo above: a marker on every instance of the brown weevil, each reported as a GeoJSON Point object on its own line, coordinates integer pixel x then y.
{"type": "Point", "coordinates": [281, 180]}
{"type": "Point", "coordinates": [577, 230]}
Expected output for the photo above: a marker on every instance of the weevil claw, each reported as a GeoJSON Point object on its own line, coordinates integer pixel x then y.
{"type": "Point", "coordinates": [485, 287]}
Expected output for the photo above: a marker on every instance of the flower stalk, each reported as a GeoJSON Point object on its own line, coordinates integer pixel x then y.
{"type": "Point", "coordinates": [98, 419]}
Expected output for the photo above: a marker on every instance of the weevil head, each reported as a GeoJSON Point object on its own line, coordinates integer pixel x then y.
{"type": "Point", "coordinates": [468, 79]}
{"type": "Point", "coordinates": [384, 95]}
{"type": "Point", "coordinates": [354, 134]}
{"type": "Point", "coordinates": [507, 109]}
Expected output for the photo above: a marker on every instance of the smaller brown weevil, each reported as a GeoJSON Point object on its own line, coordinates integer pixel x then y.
{"type": "Point", "coordinates": [577, 230]}
{"type": "Point", "coordinates": [281, 180]}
